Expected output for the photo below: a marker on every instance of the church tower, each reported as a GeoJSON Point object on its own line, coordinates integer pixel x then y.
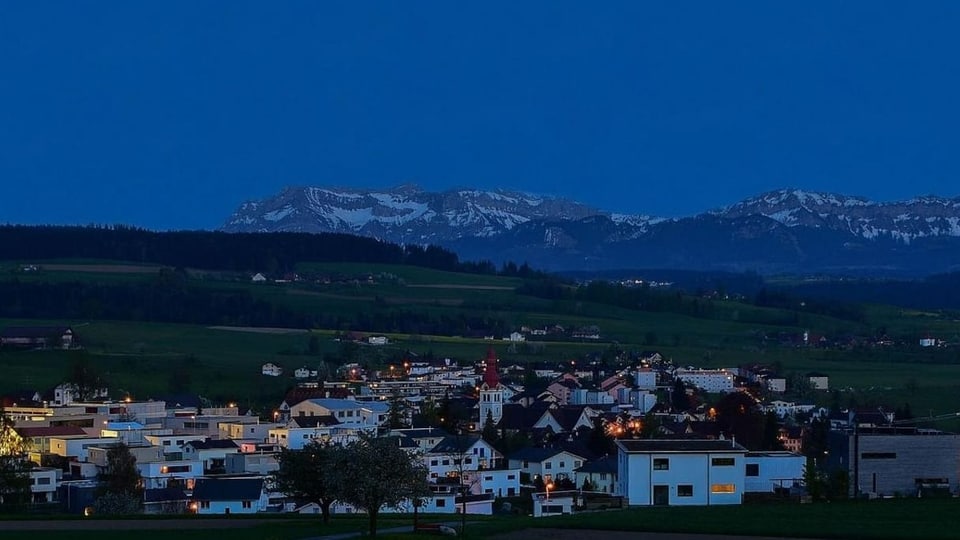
{"type": "Point", "coordinates": [491, 391]}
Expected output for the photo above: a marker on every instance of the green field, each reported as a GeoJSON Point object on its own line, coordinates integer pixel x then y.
{"type": "Point", "coordinates": [138, 357]}
{"type": "Point", "coordinates": [891, 519]}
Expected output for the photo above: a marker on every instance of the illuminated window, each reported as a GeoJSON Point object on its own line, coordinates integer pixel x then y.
{"type": "Point", "coordinates": [723, 488]}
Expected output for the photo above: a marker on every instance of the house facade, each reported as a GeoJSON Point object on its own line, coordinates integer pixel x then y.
{"type": "Point", "coordinates": [660, 472]}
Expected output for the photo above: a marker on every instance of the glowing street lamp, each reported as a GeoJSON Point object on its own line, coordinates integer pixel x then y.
{"type": "Point", "coordinates": [549, 486]}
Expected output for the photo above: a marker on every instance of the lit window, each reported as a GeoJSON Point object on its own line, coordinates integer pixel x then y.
{"type": "Point", "coordinates": [723, 488]}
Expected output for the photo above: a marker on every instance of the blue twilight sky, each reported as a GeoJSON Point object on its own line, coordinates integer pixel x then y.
{"type": "Point", "coordinates": [169, 114]}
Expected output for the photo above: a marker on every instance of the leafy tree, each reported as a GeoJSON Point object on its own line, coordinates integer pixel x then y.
{"type": "Point", "coordinates": [116, 504]}
{"type": "Point", "coordinates": [14, 466]}
{"type": "Point", "coordinates": [305, 474]}
{"type": "Point", "coordinates": [121, 480]}
{"type": "Point", "coordinates": [588, 485]}
{"type": "Point", "coordinates": [373, 473]}
{"type": "Point", "coordinates": [489, 432]}
{"type": "Point", "coordinates": [396, 416]}
{"type": "Point", "coordinates": [86, 380]}
{"type": "Point", "coordinates": [678, 397]}
{"type": "Point", "coordinates": [739, 416]}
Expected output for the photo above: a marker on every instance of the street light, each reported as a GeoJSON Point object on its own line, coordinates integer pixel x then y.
{"type": "Point", "coordinates": [549, 486]}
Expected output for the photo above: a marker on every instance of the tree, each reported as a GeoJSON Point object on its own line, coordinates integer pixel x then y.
{"type": "Point", "coordinates": [120, 482]}
{"type": "Point", "coordinates": [489, 432]}
{"type": "Point", "coordinates": [373, 473]}
{"type": "Point", "coordinates": [14, 466]}
{"type": "Point", "coordinates": [305, 474]}
{"type": "Point", "coordinates": [85, 379]}
{"type": "Point", "coordinates": [397, 415]}
{"type": "Point", "coordinates": [678, 396]}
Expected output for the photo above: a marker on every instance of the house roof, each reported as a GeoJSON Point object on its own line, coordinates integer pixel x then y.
{"type": "Point", "coordinates": [53, 431]}
{"type": "Point", "coordinates": [337, 404]}
{"type": "Point", "coordinates": [164, 495]}
{"type": "Point", "coordinates": [679, 445]}
{"type": "Point", "coordinates": [515, 416]}
{"type": "Point", "coordinates": [315, 421]}
{"type": "Point", "coordinates": [455, 445]}
{"type": "Point", "coordinates": [210, 444]}
{"type": "Point", "coordinates": [606, 464]}
{"type": "Point", "coordinates": [537, 454]}
{"type": "Point", "coordinates": [227, 489]}
{"type": "Point", "coordinates": [420, 433]}
{"type": "Point", "coordinates": [33, 331]}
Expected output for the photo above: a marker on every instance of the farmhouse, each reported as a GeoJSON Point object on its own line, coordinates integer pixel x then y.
{"type": "Point", "coordinates": [43, 337]}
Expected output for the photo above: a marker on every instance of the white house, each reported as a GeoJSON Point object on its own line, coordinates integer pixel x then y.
{"type": "Point", "coordinates": [818, 381]}
{"type": "Point", "coordinates": [443, 459]}
{"type": "Point", "coordinates": [768, 472]}
{"type": "Point", "coordinates": [229, 495]}
{"type": "Point", "coordinates": [378, 340]}
{"type": "Point", "coordinates": [777, 385]}
{"type": "Point", "coordinates": [212, 453]}
{"type": "Point", "coordinates": [680, 472]}
{"type": "Point", "coordinates": [164, 474]}
{"type": "Point", "coordinates": [43, 484]}
{"type": "Point", "coordinates": [305, 373]}
{"type": "Point", "coordinates": [515, 337]}
{"type": "Point", "coordinates": [258, 278]}
{"type": "Point", "coordinates": [708, 380]}
{"type": "Point", "coordinates": [602, 474]}
{"type": "Point", "coordinates": [548, 463]}
{"type": "Point", "coordinates": [495, 482]}
{"type": "Point", "coordinates": [272, 370]}
{"type": "Point", "coordinates": [646, 379]}
{"type": "Point", "coordinates": [365, 414]}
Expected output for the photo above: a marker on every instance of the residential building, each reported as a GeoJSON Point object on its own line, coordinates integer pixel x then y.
{"type": "Point", "coordinates": [773, 472]}
{"type": "Point", "coordinates": [708, 380]}
{"type": "Point", "coordinates": [680, 472]}
{"type": "Point", "coordinates": [229, 495]}
{"type": "Point", "coordinates": [546, 463]}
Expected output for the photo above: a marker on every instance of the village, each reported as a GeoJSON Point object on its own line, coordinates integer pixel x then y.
{"type": "Point", "coordinates": [581, 437]}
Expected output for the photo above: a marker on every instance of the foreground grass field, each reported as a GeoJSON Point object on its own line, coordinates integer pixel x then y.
{"type": "Point", "coordinates": [933, 519]}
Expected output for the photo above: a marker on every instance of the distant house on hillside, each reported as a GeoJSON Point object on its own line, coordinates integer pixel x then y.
{"type": "Point", "coordinates": [44, 337]}
{"type": "Point", "coordinates": [272, 369]}
{"type": "Point", "coordinates": [258, 278]}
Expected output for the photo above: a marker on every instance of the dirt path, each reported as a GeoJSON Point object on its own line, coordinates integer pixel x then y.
{"type": "Point", "coordinates": [581, 534]}
{"type": "Point", "coordinates": [127, 524]}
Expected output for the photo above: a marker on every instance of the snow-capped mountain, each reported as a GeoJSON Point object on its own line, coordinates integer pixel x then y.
{"type": "Point", "coordinates": [921, 217]}
{"type": "Point", "coordinates": [405, 214]}
{"type": "Point", "coordinates": [779, 231]}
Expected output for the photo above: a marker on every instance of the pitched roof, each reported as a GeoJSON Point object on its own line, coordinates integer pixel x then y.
{"type": "Point", "coordinates": [606, 464]}
{"type": "Point", "coordinates": [455, 445]}
{"type": "Point", "coordinates": [679, 445]}
{"type": "Point", "coordinates": [515, 416]}
{"type": "Point", "coordinates": [227, 489]}
{"type": "Point", "coordinates": [420, 433]}
{"type": "Point", "coordinates": [213, 443]}
{"type": "Point", "coordinates": [537, 454]}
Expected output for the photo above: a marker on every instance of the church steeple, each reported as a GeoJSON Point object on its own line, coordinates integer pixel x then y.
{"type": "Point", "coordinates": [490, 376]}
{"type": "Point", "coordinates": [491, 392]}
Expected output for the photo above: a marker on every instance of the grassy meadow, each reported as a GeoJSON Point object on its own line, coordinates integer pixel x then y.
{"type": "Point", "coordinates": [138, 357]}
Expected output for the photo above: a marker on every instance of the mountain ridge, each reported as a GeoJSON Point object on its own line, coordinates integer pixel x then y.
{"type": "Point", "coordinates": [786, 230]}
